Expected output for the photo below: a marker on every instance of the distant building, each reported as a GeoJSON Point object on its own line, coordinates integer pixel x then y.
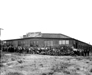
{"type": "Point", "coordinates": [47, 40]}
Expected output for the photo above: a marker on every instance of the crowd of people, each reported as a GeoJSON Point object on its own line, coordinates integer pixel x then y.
{"type": "Point", "coordinates": [61, 50]}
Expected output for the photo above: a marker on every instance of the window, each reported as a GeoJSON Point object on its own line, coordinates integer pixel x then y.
{"type": "Point", "coordinates": [67, 41]}
{"type": "Point", "coordinates": [45, 43]}
{"type": "Point", "coordinates": [60, 42]}
{"type": "Point", "coordinates": [48, 43]}
{"type": "Point", "coordinates": [51, 43]}
{"type": "Point", "coordinates": [63, 42]}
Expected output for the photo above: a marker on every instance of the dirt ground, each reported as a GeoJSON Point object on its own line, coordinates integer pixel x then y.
{"type": "Point", "coordinates": [28, 64]}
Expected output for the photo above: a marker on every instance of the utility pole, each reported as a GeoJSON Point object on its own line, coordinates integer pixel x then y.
{"type": "Point", "coordinates": [0, 31]}
{"type": "Point", "coordinates": [0, 40]}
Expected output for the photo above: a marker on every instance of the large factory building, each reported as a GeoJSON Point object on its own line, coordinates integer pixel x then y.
{"type": "Point", "coordinates": [46, 40]}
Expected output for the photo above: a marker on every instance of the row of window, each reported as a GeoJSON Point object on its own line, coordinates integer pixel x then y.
{"type": "Point", "coordinates": [61, 42]}
{"type": "Point", "coordinates": [64, 42]}
{"type": "Point", "coordinates": [50, 43]}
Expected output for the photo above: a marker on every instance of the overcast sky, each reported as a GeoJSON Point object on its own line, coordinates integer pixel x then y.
{"type": "Point", "coordinates": [69, 17]}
